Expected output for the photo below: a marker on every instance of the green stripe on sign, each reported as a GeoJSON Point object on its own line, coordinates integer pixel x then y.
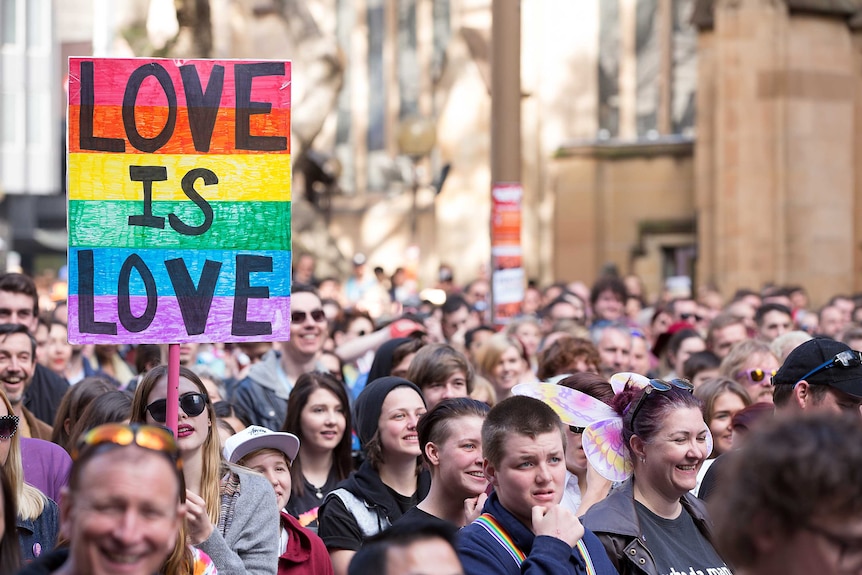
{"type": "Point", "coordinates": [234, 226]}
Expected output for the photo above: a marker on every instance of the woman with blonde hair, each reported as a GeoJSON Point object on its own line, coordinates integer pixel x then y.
{"type": "Point", "coordinates": [38, 515]}
{"type": "Point", "coordinates": [231, 514]}
{"type": "Point", "coordinates": [752, 363]}
{"type": "Point", "coordinates": [503, 361]}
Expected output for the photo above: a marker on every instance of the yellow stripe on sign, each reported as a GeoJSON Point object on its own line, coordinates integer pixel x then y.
{"type": "Point", "coordinates": [241, 177]}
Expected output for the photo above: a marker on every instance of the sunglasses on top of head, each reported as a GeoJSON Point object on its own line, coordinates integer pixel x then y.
{"type": "Point", "coordinates": [661, 386]}
{"type": "Point", "coordinates": [192, 404]}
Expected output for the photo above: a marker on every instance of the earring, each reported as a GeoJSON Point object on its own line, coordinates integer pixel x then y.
{"type": "Point", "coordinates": [643, 459]}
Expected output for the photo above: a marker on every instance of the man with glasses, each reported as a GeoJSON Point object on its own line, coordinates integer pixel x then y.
{"type": "Point", "coordinates": [123, 508]}
{"type": "Point", "coordinates": [264, 392]}
{"type": "Point", "coordinates": [794, 505]}
{"type": "Point", "coordinates": [821, 374]}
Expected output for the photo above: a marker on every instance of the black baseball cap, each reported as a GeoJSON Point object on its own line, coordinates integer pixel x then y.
{"type": "Point", "coordinates": [814, 353]}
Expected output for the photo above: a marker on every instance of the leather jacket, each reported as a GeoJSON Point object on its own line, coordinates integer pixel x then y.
{"type": "Point", "coordinates": [615, 522]}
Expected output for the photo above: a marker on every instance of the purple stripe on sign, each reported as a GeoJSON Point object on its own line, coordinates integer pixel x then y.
{"type": "Point", "coordinates": [168, 325]}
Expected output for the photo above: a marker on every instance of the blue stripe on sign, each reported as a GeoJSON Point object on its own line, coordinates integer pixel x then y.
{"type": "Point", "coordinates": [108, 262]}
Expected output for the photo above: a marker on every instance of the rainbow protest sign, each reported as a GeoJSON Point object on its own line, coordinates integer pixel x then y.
{"type": "Point", "coordinates": [179, 200]}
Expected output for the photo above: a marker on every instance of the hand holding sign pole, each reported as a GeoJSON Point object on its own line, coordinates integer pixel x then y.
{"type": "Point", "coordinates": [179, 202]}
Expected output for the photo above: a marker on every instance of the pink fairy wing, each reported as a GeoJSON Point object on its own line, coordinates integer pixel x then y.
{"type": "Point", "coordinates": [603, 446]}
{"type": "Point", "coordinates": [573, 407]}
{"type": "Point", "coordinates": [619, 380]}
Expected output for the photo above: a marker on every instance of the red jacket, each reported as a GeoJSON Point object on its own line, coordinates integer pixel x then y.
{"type": "Point", "coordinates": [305, 554]}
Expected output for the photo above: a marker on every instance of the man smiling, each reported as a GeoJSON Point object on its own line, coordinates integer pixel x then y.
{"type": "Point", "coordinates": [264, 392]}
{"type": "Point", "coordinates": [17, 364]}
{"type": "Point", "coordinates": [122, 510]}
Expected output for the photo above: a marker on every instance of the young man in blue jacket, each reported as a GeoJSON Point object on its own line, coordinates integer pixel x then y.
{"type": "Point", "coordinates": [523, 528]}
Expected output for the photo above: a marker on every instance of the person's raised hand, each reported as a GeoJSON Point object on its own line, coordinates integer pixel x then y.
{"type": "Point", "coordinates": [197, 519]}
{"type": "Point", "coordinates": [473, 507]}
{"type": "Point", "coordinates": [557, 521]}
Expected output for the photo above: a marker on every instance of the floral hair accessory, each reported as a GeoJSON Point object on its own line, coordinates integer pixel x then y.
{"type": "Point", "coordinates": [603, 438]}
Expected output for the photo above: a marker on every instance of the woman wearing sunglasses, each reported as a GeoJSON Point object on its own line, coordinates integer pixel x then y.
{"type": "Point", "coordinates": [231, 515]}
{"type": "Point", "coordinates": [752, 363]}
{"type": "Point", "coordinates": [651, 523]}
{"type": "Point", "coordinates": [38, 516]}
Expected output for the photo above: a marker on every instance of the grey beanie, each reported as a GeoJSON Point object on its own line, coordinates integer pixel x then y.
{"type": "Point", "coordinates": [366, 410]}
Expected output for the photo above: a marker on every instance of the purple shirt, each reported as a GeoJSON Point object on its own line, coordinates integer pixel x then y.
{"type": "Point", "coordinates": [46, 466]}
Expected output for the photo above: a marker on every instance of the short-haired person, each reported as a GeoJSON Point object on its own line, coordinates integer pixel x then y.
{"type": "Point", "coordinates": [17, 365]}
{"type": "Point", "coordinates": [614, 344]}
{"type": "Point", "coordinates": [725, 331]}
{"type": "Point", "coordinates": [19, 304]}
{"type": "Point", "coordinates": [772, 320]}
{"type": "Point", "coordinates": [123, 509]}
{"type": "Point", "coordinates": [271, 454]}
{"type": "Point", "coordinates": [416, 549]}
{"type": "Point", "coordinates": [523, 528]}
{"type": "Point", "coordinates": [441, 372]}
{"type": "Point", "coordinates": [794, 506]}
{"type": "Point", "coordinates": [820, 374]}
{"type": "Point", "coordinates": [450, 436]}
{"type": "Point", "coordinates": [568, 355]}
{"type": "Point", "coordinates": [607, 300]}
{"type": "Point", "coordinates": [651, 523]}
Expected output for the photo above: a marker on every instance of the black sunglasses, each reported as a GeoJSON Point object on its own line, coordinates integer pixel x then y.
{"type": "Point", "coordinates": [8, 426]}
{"type": "Point", "coordinates": [687, 316]}
{"type": "Point", "coordinates": [660, 385]}
{"type": "Point", "coordinates": [847, 358]}
{"type": "Point", "coordinates": [299, 316]}
{"type": "Point", "coordinates": [192, 404]}
{"type": "Point", "coordinates": [576, 430]}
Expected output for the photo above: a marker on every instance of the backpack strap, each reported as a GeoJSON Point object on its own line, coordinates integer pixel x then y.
{"type": "Point", "coordinates": [499, 533]}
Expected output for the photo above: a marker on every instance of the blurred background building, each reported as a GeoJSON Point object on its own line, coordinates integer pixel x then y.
{"type": "Point", "coordinates": [715, 139]}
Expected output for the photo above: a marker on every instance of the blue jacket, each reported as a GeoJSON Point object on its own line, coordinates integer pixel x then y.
{"type": "Point", "coordinates": [480, 553]}
{"type": "Point", "coordinates": [38, 536]}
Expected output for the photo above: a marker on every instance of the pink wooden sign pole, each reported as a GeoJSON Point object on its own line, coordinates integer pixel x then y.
{"type": "Point", "coordinates": [172, 416]}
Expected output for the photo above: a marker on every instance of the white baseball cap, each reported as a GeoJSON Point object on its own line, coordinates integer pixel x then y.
{"type": "Point", "coordinates": [256, 437]}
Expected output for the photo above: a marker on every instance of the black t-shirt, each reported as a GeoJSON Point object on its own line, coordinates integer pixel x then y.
{"type": "Point", "coordinates": [415, 516]}
{"type": "Point", "coordinates": [305, 508]}
{"type": "Point", "coordinates": [677, 545]}
{"type": "Point", "coordinates": [339, 529]}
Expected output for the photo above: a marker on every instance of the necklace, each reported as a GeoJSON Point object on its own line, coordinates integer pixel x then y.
{"type": "Point", "coordinates": [318, 491]}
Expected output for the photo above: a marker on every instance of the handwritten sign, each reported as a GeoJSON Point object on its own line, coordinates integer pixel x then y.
{"type": "Point", "coordinates": [179, 200]}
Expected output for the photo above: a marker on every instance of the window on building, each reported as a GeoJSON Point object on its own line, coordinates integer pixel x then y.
{"type": "Point", "coordinates": [656, 95]}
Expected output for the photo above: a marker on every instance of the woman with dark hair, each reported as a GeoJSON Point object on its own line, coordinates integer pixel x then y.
{"type": "Point", "coordinates": [390, 480]}
{"type": "Point", "coordinates": [681, 345]}
{"type": "Point", "coordinates": [231, 514]}
{"type": "Point", "coordinates": [652, 524]}
{"type": "Point", "coordinates": [72, 406]}
{"type": "Point", "coordinates": [318, 413]}
{"type": "Point", "coordinates": [450, 436]}
{"type": "Point", "coordinates": [584, 487]}
{"type": "Point", "coordinates": [10, 556]}
{"type": "Point", "coordinates": [112, 407]}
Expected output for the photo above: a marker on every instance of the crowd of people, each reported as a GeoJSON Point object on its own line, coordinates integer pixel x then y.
{"type": "Point", "coordinates": [599, 431]}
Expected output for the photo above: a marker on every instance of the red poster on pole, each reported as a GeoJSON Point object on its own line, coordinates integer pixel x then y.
{"type": "Point", "coordinates": [507, 269]}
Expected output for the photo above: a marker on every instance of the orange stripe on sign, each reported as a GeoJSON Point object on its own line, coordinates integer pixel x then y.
{"type": "Point", "coordinates": [151, 120]}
